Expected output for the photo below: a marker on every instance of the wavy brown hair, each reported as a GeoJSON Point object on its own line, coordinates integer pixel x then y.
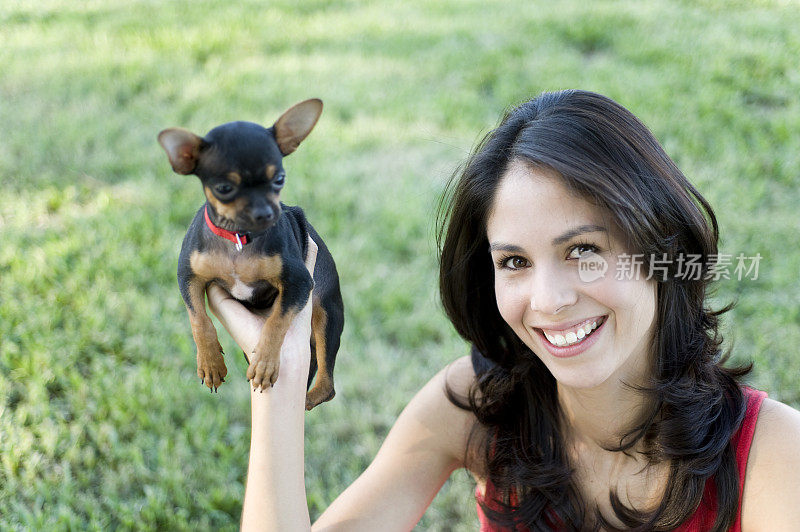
{"type": "Point", "coordinates": [696, 404]}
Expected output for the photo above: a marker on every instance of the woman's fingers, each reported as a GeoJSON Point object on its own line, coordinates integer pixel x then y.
{"type": "Point", "coordinates": [311, 257]}
{"type": "Point", "coordinates": [243, 325]}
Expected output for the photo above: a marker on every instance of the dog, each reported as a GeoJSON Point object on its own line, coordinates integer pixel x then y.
{"type": "Point", "coordinates": [244, 239]}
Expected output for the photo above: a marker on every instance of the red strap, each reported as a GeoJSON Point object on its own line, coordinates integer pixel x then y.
{"type": "Point", "coordinates": [236, 238]}
{"type": "Point", "coordinates": [742, 441]}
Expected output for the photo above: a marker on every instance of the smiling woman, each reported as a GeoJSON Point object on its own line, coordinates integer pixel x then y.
{"type": "Point", "coordinates": [602, 400]}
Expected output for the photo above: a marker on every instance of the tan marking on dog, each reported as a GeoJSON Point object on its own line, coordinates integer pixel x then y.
{"type": "Point", "coordinates": [203, 331]}
{"type": "Point", "coordinates": [271, 169]}
{"type": "Point", "coordinates": [323, 385]}
{"type": "Point", "coordinates": [238, 268]}
{"type": "Point", "coordinates": [210, 363]}
{"type": "Point", "coordinates": [228, 211]}
{"type": "Point", "coordinates": [276, 326]}
{"type": "Point", "coordinates": [234, 178]}
{"type": "Point", "coordinates": [233, 271]}
{"type": "Point", "coordinates": [265, 362]}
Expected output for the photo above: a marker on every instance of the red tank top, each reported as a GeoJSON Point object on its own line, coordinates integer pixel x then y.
{"type": "Point", "coordinates": [704, 516]}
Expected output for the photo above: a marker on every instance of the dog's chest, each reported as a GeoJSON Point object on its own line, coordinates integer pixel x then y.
{"type": "Point", "coordinates": [242, 274]}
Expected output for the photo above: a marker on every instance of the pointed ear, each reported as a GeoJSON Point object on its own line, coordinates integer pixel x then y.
{"type": "Point", "coordinates": [296, 123]}
{"type": "Point", "coordinates": [182, 147]}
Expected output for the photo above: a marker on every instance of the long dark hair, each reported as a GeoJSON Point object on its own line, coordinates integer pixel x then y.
{"type": "Point", "coordinates": [609, 157]}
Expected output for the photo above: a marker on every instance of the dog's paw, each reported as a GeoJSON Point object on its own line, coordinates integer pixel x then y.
{"type": "Point", "coordinates": [211, 369]}
{"type": "Point", "coordinates": [317, 395]}
{"type": "Point", "coordinates": [263, 370]}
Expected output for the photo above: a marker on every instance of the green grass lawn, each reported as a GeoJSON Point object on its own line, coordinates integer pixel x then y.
{"type": "Point", "coordinates": [103, 423]}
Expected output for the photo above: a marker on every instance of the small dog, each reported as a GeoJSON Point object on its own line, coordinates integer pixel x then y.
{"type": "Point", "coordinates": [253, 246]}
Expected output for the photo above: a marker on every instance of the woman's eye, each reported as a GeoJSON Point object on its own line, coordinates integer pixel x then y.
{"type": "Point", "coordinates": [512, 263]}
{"type": "Point", "coordinates": [579, 250]}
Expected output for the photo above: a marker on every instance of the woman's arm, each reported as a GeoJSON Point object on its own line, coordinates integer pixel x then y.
{"type": "Point", "coordinates": [422, 449]}
{"type": "Point", "coordinates": [275, 496]}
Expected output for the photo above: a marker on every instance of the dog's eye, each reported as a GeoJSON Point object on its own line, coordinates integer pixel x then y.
{"type": "Point", "coordinates": [224, 189]}
{"type": "Point", "coordinates": [279, 180]}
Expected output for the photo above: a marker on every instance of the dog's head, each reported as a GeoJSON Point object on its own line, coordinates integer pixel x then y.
{"type": "Point", "coordinates": [240, 164]}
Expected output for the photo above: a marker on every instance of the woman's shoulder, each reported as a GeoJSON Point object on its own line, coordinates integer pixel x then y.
{"type": "Point", "coordinates": [448, 426]}
{"type": "Point", "coordinates": [772, 485]}
{"type": "Point", "coordinates": [451, 386]}
{"type": "Point", "coordinates": [459, 376]}
{"type": "Point", "coordinates": [457, 429]}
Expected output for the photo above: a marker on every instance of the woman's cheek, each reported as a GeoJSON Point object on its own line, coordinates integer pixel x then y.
{"type": "Point", "coordinates": [623, 294]}
{"type": "Point", "coordinates": [605, 290]}
{"type": "Point", "coordinates": [508, 302]}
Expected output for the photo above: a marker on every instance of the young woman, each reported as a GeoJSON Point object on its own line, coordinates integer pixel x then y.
{"type": "Point", "coordinates": [595, 396]}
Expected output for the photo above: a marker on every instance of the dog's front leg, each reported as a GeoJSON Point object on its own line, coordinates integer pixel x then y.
{"type": "Point", "coordinates": [293, 293]}
{"type": "Point", "coordinates": [210, 363]}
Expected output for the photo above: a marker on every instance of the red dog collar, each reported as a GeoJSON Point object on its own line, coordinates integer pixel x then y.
{"type": "Point", "coordinates": [237, 238]}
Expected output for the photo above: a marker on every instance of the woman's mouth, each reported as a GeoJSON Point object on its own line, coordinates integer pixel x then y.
{"type": "Point", "coordinates": [574, 335]}
{"type": "Point", "coordinates": [574, 340]}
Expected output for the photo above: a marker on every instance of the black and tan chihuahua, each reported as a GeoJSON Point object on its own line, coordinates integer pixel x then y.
{"type": "Point", "coordinates": [244, 239]}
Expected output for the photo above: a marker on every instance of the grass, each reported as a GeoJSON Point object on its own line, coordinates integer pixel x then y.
{"type": "Point", "coordinates": [103, 424]}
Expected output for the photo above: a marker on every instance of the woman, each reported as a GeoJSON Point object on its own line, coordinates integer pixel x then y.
{"type": "Point", "coordinates": [595, 396]}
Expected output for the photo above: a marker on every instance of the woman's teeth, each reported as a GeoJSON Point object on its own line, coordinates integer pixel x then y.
{"type": "Point", "coordinates": [572, 337]}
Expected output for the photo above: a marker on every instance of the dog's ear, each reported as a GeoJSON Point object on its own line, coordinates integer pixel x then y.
{"type": "Point", "coordinates": [182, 147]}
{"type": "Point", "coordinates": [295, 124]}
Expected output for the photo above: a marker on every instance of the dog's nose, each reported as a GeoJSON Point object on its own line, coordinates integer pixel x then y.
{"type": "Point", "coordinates": [264, 215]}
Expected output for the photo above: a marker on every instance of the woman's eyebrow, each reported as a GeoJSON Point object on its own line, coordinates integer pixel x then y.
{"type": "Point", "coordinates": [577, 231]}
{"type": "Point", "coordinates": [500, 246]}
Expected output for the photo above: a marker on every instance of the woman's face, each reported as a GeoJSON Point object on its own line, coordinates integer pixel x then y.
{"type": "Point", "coordinates": [586, 323]}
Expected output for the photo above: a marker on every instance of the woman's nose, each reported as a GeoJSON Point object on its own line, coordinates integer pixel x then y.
{"type": "Point", "coordinates": [551, 291]}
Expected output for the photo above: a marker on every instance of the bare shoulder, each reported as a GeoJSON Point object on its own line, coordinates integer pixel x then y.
{"type": "Point", "coordinates": [450, 424]}
{"type": "Point", "coordinates": [459, 376]}
{"type": "Point", "coordinates": [771, 498]}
